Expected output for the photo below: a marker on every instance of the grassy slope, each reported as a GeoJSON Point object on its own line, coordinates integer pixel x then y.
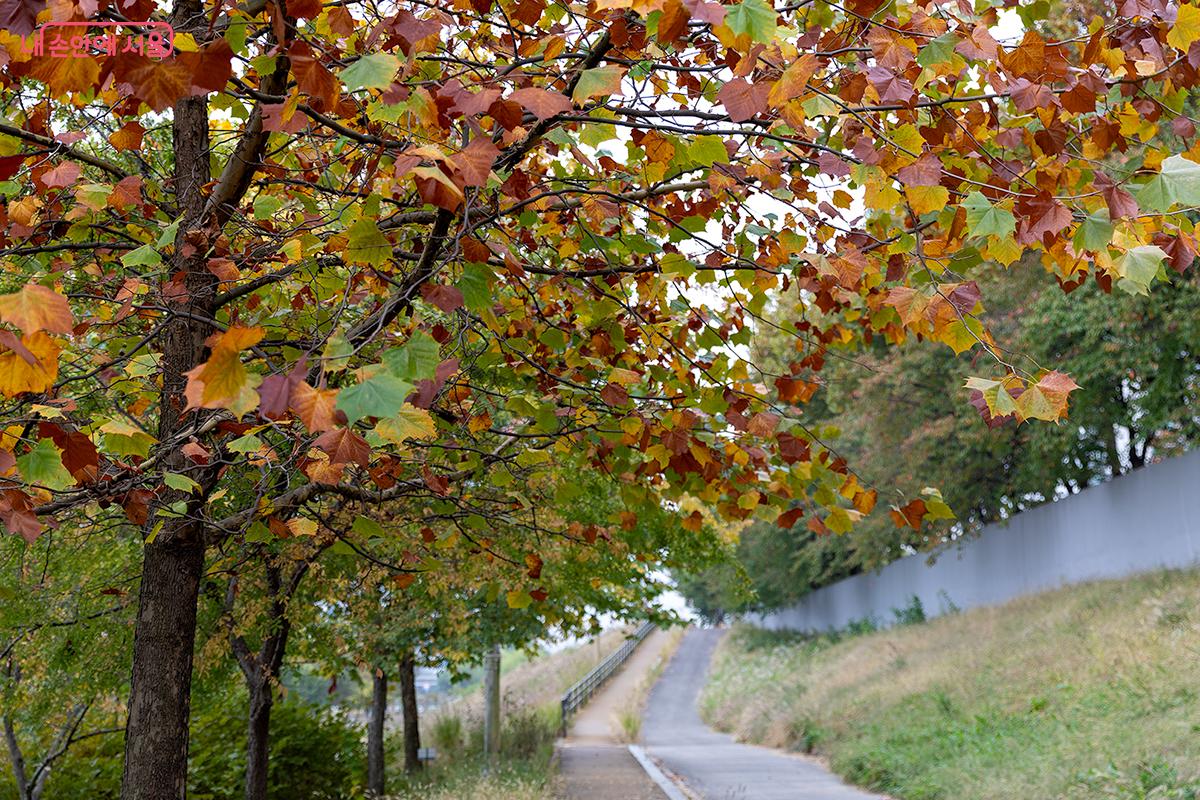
{"type": "Point", "coordinates": [1086, 692]}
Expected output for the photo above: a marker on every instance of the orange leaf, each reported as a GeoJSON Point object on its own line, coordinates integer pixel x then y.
{"type": "Point", "coordinates": [37, 308]}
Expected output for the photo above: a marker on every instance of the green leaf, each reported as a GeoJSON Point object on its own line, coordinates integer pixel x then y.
{"type": "Point", "coordinates": [415, 360]}
{"type": "Point", "coordinates": [181, 482]}
{"type": "Point", "coordinates": [381, 395]}
{"type": "Point", "coordinates": [265, 206]}
{"type": "Point", "coordinates": [598, 82]}
{"type": "Point", "coordinates": [938, 51]}
{"type": "Point", "coordinates": [1138, 268]}
{"type": "Point", "coordinates": [367, 244]}
{"type": "Point", "coordinates": [518, 599]}
{"type": "Point", "coordinates": [246, 444]}
{"type": "Point", "coordinates": [371, 72]}
{"type": "Point", "coordinates": [755, 18]}
{"type": "Point", "coordinates": [708, 150]}
{"type": "Point", "coordinates": [985, 219]}
{"type": "Point", "coordinates": [144, 256]}
{"type": "Point", "coordinates": [1094, 233]}
{"type": "Point", "coordinates": [475, 283]}
{"type": "Point", "coordinates": [123, 439]}
{"type": "Point", "coordinates": [1156, 194]}
{"type": "Point", "coordinates": [367, 527]}
{"type": "Point", "coordinates": [1182, 177]}
{"type": "Point", "coordinates": [43, 466]}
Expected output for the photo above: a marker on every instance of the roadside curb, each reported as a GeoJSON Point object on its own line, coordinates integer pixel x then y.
{"type": "Point", "coordinates": [669, 788]}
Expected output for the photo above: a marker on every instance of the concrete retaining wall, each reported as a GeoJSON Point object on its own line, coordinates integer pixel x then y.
{"type": "Point", "coordinates": [1140, 522]}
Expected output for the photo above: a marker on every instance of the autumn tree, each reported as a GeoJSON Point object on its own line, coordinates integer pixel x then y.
{"type": "Point", "coordinates": [371, 253]}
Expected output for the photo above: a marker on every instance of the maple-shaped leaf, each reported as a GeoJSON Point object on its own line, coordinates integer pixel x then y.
{"type": "Point", "coordinates": [909, 515]}
{"type": "Point", "coordinates": [381, 395]}
{"type": "Point", "coordinates": [65, 75]}
{"type": "Point", "coordinates": [43, 466]}
{"type": "Point", "coordinates": [447, 298]}
{"type": "Point", "coordinates": [541, 103]}
{"type": "Point", "coordinates": [437, 188]}
{"type": "Point", "coordinates": [410, 423]}
{"type": "Point", "coordinates": [157, 83]}
{"type": "Point", "coordinates": [222, 381]}
{"type": "Point", "coordinates": [79, 454]}
{"type": "Point", "coordinates": [37, 308]}
{"type": "Point", "coordinates": [19, 17]}
{"type": "Point", "coordinates": [1042, 217]}
{"type": "Point", "coordinates": [316, 408]}
{"type": "Point", "coordinates": [597, 82]}
{"type": "Point", "coordinates": [474, 162]}
{"type": "Point", "coordinates": [16, 513]}
{"type": "Point", "coordinates": [892, 88]}
{"type": "Point", "coordinates": [344, 446]}
{"type": "Point", "coordinates": [1120, 202]}
{"type": "Point", "coordinates": [62, 176]}
{"type": "Point", "coordinates": [128, 136]}
{"type": "Point", "coordinates": [312, 77]}
{"type": "Point", "coordinates": [374, 71]}
{"type": "Point", "coordinates": [755, 19]}
{"type": "Point", "coordinates": [742, 99]}
{"type": "Point", "coordinates": [210, 67]}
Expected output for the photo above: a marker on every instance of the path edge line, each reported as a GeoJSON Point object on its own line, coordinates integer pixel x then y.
{"type": "Point", "coordinates": [666, 784]}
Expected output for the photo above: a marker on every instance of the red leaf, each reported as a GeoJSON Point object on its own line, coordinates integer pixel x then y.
{"type": "Point", "coordinates": [211, 66]}
{"type": "Point", "coordinates": [19, 17]}
{"type": "Point", "coordinates": [79, 454]}
{"type": "Point", "coordinates": [541, 103]}
{"type": "Point", "coordinates": [344, 446]}
{"type": "Point", "coordinates": [614, 394]}
{"type": "Point", "coordinates": [475, 162]}
{"type": "Point", "coordinates": [10, 165]}
{"type": "Point", "coordinates": [925, 171]}
{"type": "Point", "coordinates": [447, 298]}
{"type": "Point", "coordinates": [1042, 217]}
{"type": "Point", "coordinates": [891, 87]}
{"type": "Point", "coordinates": [16, 512]}
{"type": "Point", "coordinates": [62, 176]}
{"type": "Point", "coordinates": [1120, 202]}
{"type": "Point", "coordinates": [790, 517]}
{"type": "Point", "coordinates": [743, 100]}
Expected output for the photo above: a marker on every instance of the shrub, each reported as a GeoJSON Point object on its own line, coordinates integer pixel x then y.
{"type": "Point", "coordinates": [911, 614]}
{"type": "Point", "coordinates": [447, 734]}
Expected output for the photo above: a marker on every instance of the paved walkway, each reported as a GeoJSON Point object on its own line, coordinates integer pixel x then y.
{"type": "Point", "coordinates": [712, 765]}
{"type": "Point", "coordinates": [594, 764]}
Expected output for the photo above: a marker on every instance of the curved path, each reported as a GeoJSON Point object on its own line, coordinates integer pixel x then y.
{"type": "Point", "coordinates": [712, 765]}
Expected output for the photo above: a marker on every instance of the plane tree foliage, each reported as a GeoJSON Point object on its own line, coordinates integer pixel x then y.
{"type": "Point", "coordinates": [456, 255]}
{"type": "Point", "coordinates": [1134, 357]}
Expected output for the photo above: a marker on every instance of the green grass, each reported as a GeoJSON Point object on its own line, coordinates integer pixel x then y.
{"type": "Point", "coordinates": [1087, 692]}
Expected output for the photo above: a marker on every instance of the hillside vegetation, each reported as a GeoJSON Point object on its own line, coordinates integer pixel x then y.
{"type": "Point", "coordinates": [1086, 692]}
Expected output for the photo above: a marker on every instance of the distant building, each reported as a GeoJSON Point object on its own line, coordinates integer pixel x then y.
{"type": "Point", "coordinates": [426, 679]}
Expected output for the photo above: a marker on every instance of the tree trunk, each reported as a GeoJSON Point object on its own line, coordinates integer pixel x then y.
{"type": "Point", "coordinates": [376, 780]}
{"type": "Point", "coordinates": [491, 699]}
{"type": "Point", "coordinates": [16, 759]}
{"type": "Point", "coordinates": [412, 726]}
{"type": "Point", "coordinates": [258, 738]}
{"type": "Point", "coordinates": [156, 737]}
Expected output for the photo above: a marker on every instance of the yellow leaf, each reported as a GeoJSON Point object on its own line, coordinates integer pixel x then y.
{"type": "Point", "coordinates": [410, 423]}
{"type": "Point", "coordinates": [18, 375]}
{"type": "Point", "coordinates": [927, 198]}
{"type": "Point", "coordinates": [1186, 28]}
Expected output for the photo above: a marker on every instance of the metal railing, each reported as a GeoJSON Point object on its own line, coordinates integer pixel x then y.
{"type": "Point", "coordinates": [579, 694]}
